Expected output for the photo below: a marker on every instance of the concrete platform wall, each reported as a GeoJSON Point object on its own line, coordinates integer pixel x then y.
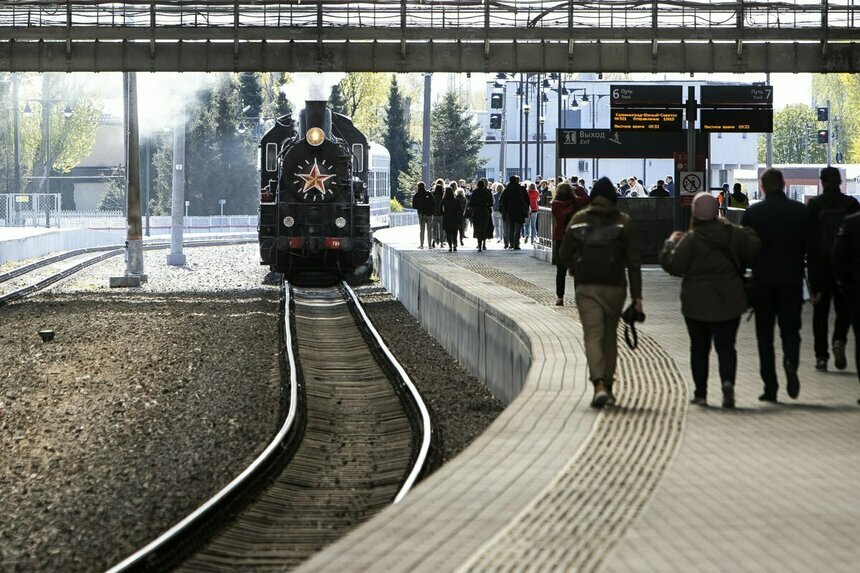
{"type": "Point", "coordinates": [43, 243]}
{"type": "Point", "coordinates": [487, 342]}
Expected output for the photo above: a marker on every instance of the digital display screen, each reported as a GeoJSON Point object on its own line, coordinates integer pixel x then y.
{"type": "Point", "coordinates": [629, 119]}
{"type": "Point", "coordinates": [736, 95]}
{"type": "Point", "coordinates": [645, 95]}
{"type": "Point", "coordinates": [737, 120]}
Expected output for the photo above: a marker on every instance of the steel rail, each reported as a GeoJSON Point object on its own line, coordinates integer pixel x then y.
{"type": "Point", "coordinates": [421, 459]}
{"type": "Point", "coordinates": [137, 558]}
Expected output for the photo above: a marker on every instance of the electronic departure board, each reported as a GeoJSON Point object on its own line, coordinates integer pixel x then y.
{"type": "Point", "coordinates": [631, 119]}
{"type": "Point", "coordinates": [645, 95]}
{"type": "Point", "coordinates": [737, 120]}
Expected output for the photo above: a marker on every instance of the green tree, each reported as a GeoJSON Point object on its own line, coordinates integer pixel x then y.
{"type": "Point", "coordinates": [251, 94]}
{"type": "Point", "coordinates": [794, 136]}
{"type": "Point", "coordinates": [364, 95]}
{"type": "Point", "coordinates": [408, 180]}
{"type": "Point", "coordinates": [397, 139]}
{"type": "Point", "coordinates": [114, 197]}
{"type": "Point", "coordinates": [456, 140]}
{"type": "Point", "coordinates": [275, 102]}
{"type": "Point", "coordinates": [843, 92]}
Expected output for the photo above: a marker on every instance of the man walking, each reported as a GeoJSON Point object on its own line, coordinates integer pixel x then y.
{"type": "Point", "coordinates": [600, 244]}
{"type": "Point", "coordinates": [846, 267]}
{"type": "Point", "coordinates": [514, 205]}
{"type": "Point", "coordinates": [824, 216]}
{"type": "Point", "coordinates": [778, 276]}
{"type": "Point", "coordinates": [425, 205]}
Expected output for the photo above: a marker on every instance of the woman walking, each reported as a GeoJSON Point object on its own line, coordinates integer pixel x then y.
{"type": "Point", "coordinates": [712, 259]}
{"type": "Point", "coordinates": [452, 214]}
{"type": "Point", "coordinates": [481, 204]}
{"type": "Point", "coordinates": [534, 196]}
{"type": "Point", "coordinates": [565, 204]}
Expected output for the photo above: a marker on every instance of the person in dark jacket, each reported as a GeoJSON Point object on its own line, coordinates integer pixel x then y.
{"type": "Point", "coordinates": [659, 190]}
{"type": "Point", "coordinates": [711, 258]}
{"type": "Point", "coordinates": [737, 200]}
{"type": "Point", "coordinates": [498, 223]}
{"type": "Point", "coordinates": [846, 267]}
{"type": "Point", "coordinates": [481, 203]}
{"type": "Point", "coordinates": [460, 195]}
{"type": "Point", "coordinates": [824, 215]}
{"type": "Point", "coordinates": [545, 195]}
{"type": "Point", "coordinates": [424, 203]}
{"type": "Point", "coordinates": [514, 205]}
{"type": "Point", "coordinates": [566, 203]}
{"type": "Point", "coordinates": [438, 195]}
{"type": "Point", "coordinates": [600, 281]}
{"type": "Point", "coordinates": [452, 216]}
{"type": "Point", "coordinates": [778, 276]}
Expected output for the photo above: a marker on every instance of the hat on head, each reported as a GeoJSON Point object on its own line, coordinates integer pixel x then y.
{"type": "Point", "coordinates": [604, 188]}
{"type": "Point", "coordinates": [705, 206]}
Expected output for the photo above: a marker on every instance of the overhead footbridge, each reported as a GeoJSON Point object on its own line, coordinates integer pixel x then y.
{"type": "Point", "coordinates": [695, 36]}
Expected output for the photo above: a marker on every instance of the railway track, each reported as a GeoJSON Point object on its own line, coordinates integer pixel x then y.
{"type": "Point", "coordinates": [28, 279]}
{"type": "Point", "coordinates": [355, 438]}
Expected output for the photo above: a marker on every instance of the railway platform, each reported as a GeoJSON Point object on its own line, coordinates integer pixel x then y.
{"type": "Point", "coordinates": [650, 485]}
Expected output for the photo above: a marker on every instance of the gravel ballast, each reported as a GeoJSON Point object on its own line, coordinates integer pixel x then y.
{"type": "Point", "coordinates": [150, 400]}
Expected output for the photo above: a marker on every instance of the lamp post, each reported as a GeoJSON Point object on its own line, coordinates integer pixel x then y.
{"type": "Point", "coordinates": [594, 100]}
{"type": "Point", "coordinates": [221, 204]}
{"type": "Point", "coordinates": [47, 104]}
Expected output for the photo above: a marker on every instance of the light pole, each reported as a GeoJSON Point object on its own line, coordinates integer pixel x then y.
{"type": "Point", "coordinates": [47, 104]}
{"type": "Point", "coordinates": [221, 204]}
{"type": "Point", "coordinates": [593, 100]}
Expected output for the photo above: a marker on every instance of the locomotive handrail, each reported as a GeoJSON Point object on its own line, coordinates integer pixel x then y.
{"type": "Point", "coordinates": [425, 413]}
{"type": "Point", "coordinates": [136, 558]}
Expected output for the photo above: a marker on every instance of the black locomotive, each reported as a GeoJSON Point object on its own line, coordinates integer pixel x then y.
{"type": "Point", "coordinates": [314, 211]}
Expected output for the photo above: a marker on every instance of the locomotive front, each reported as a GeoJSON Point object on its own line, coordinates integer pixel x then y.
{"type": "Point", "coordinates": [314, 212]}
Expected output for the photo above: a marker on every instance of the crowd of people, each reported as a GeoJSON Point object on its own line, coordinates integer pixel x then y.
{"type": "Point", "coordinates": [787, 245]}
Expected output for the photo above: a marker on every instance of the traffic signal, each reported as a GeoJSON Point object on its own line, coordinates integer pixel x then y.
{"type": "Point", "coordinates": [495, 121]}
{"type": "Point", "coordinates": [823, 113]}
{"type": "Point", "coordinates": [839, 157]}
{"type": "Point", "coordinates": [496, 101]}
{"type": "Point", "coordinates": [822, 136]}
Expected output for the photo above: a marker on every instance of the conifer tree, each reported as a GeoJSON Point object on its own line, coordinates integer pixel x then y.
{"type": "Point", "coordinates": [397, 139]}
{"type": "Point", "coordinates": [336, 101]}
{"type": "Point", "coordinates": [251, 94]}
{"type": "Point", "coordinates": [455, 140]}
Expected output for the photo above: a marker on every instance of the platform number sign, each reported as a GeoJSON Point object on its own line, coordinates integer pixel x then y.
{"type": "Point", "coordinates": [692, 182]}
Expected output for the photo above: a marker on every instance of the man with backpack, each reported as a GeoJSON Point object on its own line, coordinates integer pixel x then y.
{"type": "Point", "coordinates": [601, 250]}
{"type": "Point", "coordinates": [824, 216]}
{"type": "Point", "coordinates": [424, 203]}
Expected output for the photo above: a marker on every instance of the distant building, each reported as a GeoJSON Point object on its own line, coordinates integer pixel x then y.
{"type": "Point", "coordinates": [91, 175]}
{"type": "Point", "coordinates": [585, 105]}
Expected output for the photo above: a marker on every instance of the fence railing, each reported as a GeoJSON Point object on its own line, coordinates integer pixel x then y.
{"type": "Point", "coordinates": [116, 221]}
{"type": "Point", "coordinates": [30, 209]}
{"type": "Point", "coordinates": [406, 217]}
{"type": "Point", "coordinates": [545, 225]}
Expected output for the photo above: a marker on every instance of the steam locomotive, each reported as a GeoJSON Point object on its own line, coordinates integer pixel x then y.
{"type": "Point", "coordinates": [314, 207]}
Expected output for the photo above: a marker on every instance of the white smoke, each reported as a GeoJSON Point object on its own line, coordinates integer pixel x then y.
{"type": "Point", "coordinates": [161, 95]}
{"type": "Point", "coordinates": [310, 86]}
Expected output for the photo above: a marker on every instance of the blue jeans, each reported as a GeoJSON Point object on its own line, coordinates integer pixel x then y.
{"type": "Point", "coordinates": [498, 230]}
{"type": "Point", "coordinates": [531, 226]}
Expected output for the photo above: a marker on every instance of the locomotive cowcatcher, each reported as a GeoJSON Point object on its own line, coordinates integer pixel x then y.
{"type": "Point", "coordinates": [314, 211]}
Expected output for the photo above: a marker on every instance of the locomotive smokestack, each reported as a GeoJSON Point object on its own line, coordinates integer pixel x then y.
{"type": "Point", "coordinates": [316, 114]}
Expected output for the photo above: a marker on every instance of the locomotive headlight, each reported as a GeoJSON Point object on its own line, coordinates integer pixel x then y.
{"type": "Point", "coordinates": [340, 222]}
{"type": "Point", "coordinates": [289, 221]}
{"type": "Point", "coordinates": [315, 136]}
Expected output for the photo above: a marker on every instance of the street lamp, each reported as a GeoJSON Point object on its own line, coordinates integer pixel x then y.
{"type": "Point", "coordinates": [221, 204]}
{"type": "Point", "coordinates": [46, 107]}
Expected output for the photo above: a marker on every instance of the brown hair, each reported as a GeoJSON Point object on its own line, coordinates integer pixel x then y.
{"type": "Point", "coordinates": [771, 180]}
{"type": "Point", "coordinates": [564, 192]}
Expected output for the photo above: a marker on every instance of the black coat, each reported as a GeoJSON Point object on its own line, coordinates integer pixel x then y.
{"type": "Point", "coordinates": [424, 203]}
{"type": "Point", "coordinates": [482, 209]}
{"type": "Point", "coordinates": [437, 198]}
{"type": "Point", "coordinates": [514, 203]}
{"type": "Point", "coordinates": [818, 255]}
{"type": "Point", "coordinates": [781, 226]}
{"type": "Point", "coordinates": [659, 191]}
{"type": "Point", "coordinates": [846, 259]}
{"type": "Point", "coordinates": [452, 215]}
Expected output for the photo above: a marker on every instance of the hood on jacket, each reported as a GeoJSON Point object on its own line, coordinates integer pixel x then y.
{"type": "Point", "coordinates": [716, 232]}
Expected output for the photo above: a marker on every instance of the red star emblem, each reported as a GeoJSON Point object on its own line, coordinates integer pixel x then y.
{"type": "Point", "coordinates": [315, 179]}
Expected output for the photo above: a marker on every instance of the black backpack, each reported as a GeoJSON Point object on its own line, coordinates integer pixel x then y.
{"type": "Point", "coordinates": [599, 256]}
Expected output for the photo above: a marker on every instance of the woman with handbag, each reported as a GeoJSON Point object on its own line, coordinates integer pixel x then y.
{"type": "Point", "coordinates": [712, 259]}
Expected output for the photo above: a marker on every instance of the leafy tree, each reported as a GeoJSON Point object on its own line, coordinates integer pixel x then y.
{"type": "Point", "coordinates": [395, 205]}
{"type": "Point", "coordinates": [408, 180]}
{"type": "Point", "coordinates": [794, 136]}
{"type": "Point", "coordinates": [363, 95]}
{"type": "Point", "coordinates": [843, 92]}
{"type": "Point", "coordinates": [275, 102]}
{"type": "Point", "coordinates": [397, 139]}
{"type": "Point", "coordinates": [251, 94]}
{"type": "Point", "coordinates": [456, 140]}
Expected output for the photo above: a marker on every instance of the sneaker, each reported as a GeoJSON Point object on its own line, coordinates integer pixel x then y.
{"type": "Point", "coordinates": [839, 359]}
{"type": "Point", "coordinates": [517, 249]}
{"type": "Point", "coordinates": [559, 302]}
{"type": "Point", "coordinates": [611, 400]}
{"type": "Point", "coordinates": [699, 401]}
{"type": "Point", "coordinates": [601, 396]}
{"type": "Point", "coordinates": [455, 249]}
{"type": "Point", "coordinates": [821, 364]}
{"type": "Point", "coordinates": [767, 397]}
{"type": "Point", "coordinates": [461, 242]}
{"type": "Point", "coordinates": [420, 246]}
{"type": "Point", "coordinates": [728, 395]}
{"type": "Point", "coordinates": [792, 384]}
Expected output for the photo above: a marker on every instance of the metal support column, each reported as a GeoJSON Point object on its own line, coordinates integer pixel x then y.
{"type": "Point", "coordinates": [176, 256]}
{"type": "Point", "coordinates": [425, 144]}
{"type": "Point", "coordinates": [829, 136]}
{"type": "Point", "coordinates": [503, 153]}
{"type": "Point", "coordinates": [16, 135]}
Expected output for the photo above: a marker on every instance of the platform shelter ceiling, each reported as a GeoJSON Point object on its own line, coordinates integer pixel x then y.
{"type": "Point", "coordinates": [431, 35]}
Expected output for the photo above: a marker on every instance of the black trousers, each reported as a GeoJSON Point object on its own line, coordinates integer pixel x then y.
{"type": "Point", "coordinates": [452, 238]}
{"type": "Point", "coordinates": [821, 316]}
{"type": "Point", "coordinates": [780, 304]}
{"type": "Point", "coordinates": [723, 336]}
{"type": "Point", "coordinates": [560, 270]}
{"type": "Point", "coordinates": [854, 313]}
